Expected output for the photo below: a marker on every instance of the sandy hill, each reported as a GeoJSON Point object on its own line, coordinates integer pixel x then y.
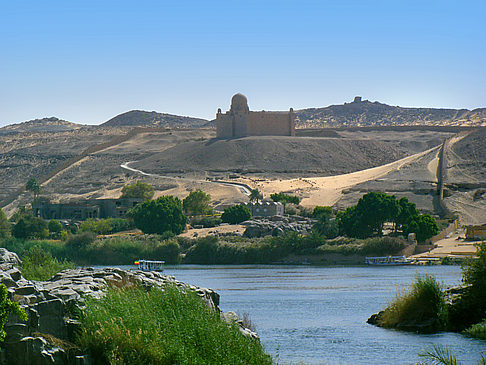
{"type": "Point", "coordinates": [43, 125]}
{"type": "Point", "coordinates": [153, 119]}
{"type": "Point", "coordinates": [290, 156]}
{"type": "Point", "coordinates": [366, 113]}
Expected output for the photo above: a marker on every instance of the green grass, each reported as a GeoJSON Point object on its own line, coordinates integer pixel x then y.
{"type": "Point", "coordinates": [424, 303]}
{"type": "Point", "coordinates": [477, 330]}
{"type": "Point", "coordinates": [39, 265]}
{"type": "Point", "coordinates": [174, 326]}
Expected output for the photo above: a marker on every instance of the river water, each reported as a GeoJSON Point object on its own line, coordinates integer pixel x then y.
{"type": "Point", "coordinates": [317, 315]}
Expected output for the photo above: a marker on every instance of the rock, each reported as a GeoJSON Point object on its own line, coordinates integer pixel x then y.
{"type": "Point", "coordinates": [9, 257]}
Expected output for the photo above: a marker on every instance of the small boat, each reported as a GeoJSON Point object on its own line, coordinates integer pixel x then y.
{"type": "Point", "coordinates": [387, 260]}
{"type": "Point", "coordinates": [147, 265]}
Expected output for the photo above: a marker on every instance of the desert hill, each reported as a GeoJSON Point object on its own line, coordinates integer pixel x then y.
{"type": "Point", "coordinates": [44, 125]}
{"type": "Point", "coordinates": [366, 113]}
{"type": "Point", "coordinates": [288, 156]}
{"type": "Point", "coordinates": [137, 118]}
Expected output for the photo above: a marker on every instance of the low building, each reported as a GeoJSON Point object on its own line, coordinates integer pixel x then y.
{"type": "Point", "coordinates": [266, 209]}
{"type": "Point", "coordinates": [84, 209]}
{"type": "Point", "coordinates": [476, 232]}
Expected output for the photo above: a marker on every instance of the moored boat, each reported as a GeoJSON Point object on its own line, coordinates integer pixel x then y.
{"type": "Point", "coordinates": [148, 265]}
{"type": "Point", "coordinates": [387, 260]}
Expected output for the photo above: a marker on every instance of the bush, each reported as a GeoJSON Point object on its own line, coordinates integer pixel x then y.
{"type": "Point", "coordinates": [55, 227]}
{"type": "Point", "coordinates": [470, 307]}
{"type": "Point", "coordinates": [178, 328]}
{"type": "Point", "coordinates": [423, 309]}
{"type": "Point", "coordinates": [4, 225]}
{"type": "Point", "coordinates": [477, 330]}
{"type": "Point", "coordinates": [197, 203]}
{"type": "Point", "coordinates": [76, 245]}
{"type": "Point", "coordinates": [101, 226]}
{"type": "Point", "coordinates": [28, 226]}
{"type": "Point", "coordinates": [7, 308]}
{"type": "Point", "coordinates": [39, 265]}
{"type": "Point", "coordinates": [138, 190]}
{"type": "Point", "coordinates": [236, 214]}
{"type": "Point", "coordinates": [159, 216]}
{"type": "Point", "coordinates": [206, 222]}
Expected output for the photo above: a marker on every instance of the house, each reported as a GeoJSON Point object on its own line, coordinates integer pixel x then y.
{"type": "Point", "coordinates": [476, 232]}
{"type": "Point", "coordinates": [84, 209]}
{"type": "Point", "coordinates": [266, 209]}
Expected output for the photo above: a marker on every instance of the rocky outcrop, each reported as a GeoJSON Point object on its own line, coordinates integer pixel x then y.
{"type": "Point", "coordinates": [47, 336]}
{"type": "Point", "coordinates": [259, 227]}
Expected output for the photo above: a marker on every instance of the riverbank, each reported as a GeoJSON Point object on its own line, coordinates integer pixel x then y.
{"type": "Point", "coordinates": [70, 322]}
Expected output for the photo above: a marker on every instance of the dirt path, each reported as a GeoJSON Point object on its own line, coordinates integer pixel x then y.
{"type": "Point", "coordinates": [328, 190]}
{"type": "Point", "coordinates": [454, 245]}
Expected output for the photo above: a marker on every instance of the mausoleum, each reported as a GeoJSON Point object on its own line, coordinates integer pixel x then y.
{"type": "Point", "coordinates": [239, 121]}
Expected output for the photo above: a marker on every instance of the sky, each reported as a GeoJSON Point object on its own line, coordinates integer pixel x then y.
{"type": "Point", "coordinates": [86, 61]}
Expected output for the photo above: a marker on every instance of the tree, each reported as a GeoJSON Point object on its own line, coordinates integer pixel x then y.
{"type": "Point", "coordinates": [424, 227]}
{"type": "Point", "coordinates": [55, 227]}
{"type": "Point", "coordinates": [236, 214]}
{"type": "Point", "coordinates": [33, 186]}
{"type": "Point", "coordinates": [406, 213]}
{"type": "Point", "coordinates": [197, 203]}
{"type": "Point", "coordinates": [159, 216]}
{"type": "Point", "coordinates": [30, 227]}
{"type": "Point", "coordinates": [285, 198]}
{"type": "Point", "coordinates": [138, 190]}
{"type": "Point", "coordinates": [321, 212]}
{"type": "Point", "coordinates": [255, 196]}
{"type": "Point", "coordinates": [4, 225]}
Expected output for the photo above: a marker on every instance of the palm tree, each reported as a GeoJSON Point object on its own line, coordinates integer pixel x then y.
{"type": "Point", "coordinates": [33, 185]}
{"type": "Point", "coordinates": [255, 195]}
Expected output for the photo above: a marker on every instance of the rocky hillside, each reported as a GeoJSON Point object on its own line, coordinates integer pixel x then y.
{"type": "Point", "coordinates": [138, 118]}
{"type": "Point", "coordinates": [366, 113]}
{"type": "Point", "coordinates": [44, 125]}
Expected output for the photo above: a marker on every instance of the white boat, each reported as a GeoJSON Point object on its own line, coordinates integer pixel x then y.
{"type": "Point", "coordinates": [387, 260]}
{"type": "Point", "coordinates": [147, 265]}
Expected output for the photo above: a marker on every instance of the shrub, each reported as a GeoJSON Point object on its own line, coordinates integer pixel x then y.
{"type": "Point", "coordinates": [285, 198]}
{"type": "Point", "coordinates": [138, 190]}
{"type": "Point", "coordinates": [30, 227]}
{"type": "Point", "coordinates": [422, 309]}
{"type": "Point", "coordinates": [236, 214]}
{"type": "Point", "coordinates": [470, 307]}
{"type": "Point", "coordinates": [168, 251]}
{"type": "Point", "coordinates": [206, 222]}
{"type": "Point", "coordinates": [98, 226]}
{"type": "Point", "coordinates": [54, 226]}
{"type": "Point", "coordinates": [178, 328]}
{"type": "Point", "coordinates": [196, 203]}
{"type": "Point", "coordinates": [7, 307]}
{"type": "Point", "coordinates": [77, 244]}
{"type": "Point", "coordinates": [4, 225]}
{"type": "Point", "coordinates": [321, 212]}
{"type": "Point", "coordinates": [38, 264]}
{"type": "Point", "coordinates": [159, 216]}
{"type": "Point", "coordinates": [477, 330]}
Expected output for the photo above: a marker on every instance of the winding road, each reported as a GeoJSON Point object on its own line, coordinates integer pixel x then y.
{"type": "Point", "coordinates": [243, 188]}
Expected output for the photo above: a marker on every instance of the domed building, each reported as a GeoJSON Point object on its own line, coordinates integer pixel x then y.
{"type": "Point", "coordinates": [239, 121]}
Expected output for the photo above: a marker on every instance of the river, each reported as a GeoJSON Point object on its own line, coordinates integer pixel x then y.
{"type": "Point", "coordinates": [317, 315]}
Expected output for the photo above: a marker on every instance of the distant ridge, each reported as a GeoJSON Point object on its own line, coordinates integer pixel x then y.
{"type": "Point", "coordinates": [365, 113]}
{"type": "Point", "coordinates": [51, 124]}
{"type": "Point", "coordinates": [147, 119]}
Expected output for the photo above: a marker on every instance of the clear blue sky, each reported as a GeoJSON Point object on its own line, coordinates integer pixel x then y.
{"type": "Point", "coordinates": [87, 61]}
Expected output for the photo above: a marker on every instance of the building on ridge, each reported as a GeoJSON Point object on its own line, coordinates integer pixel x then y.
{"type": "Point", "coordinates": [239, 121]}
